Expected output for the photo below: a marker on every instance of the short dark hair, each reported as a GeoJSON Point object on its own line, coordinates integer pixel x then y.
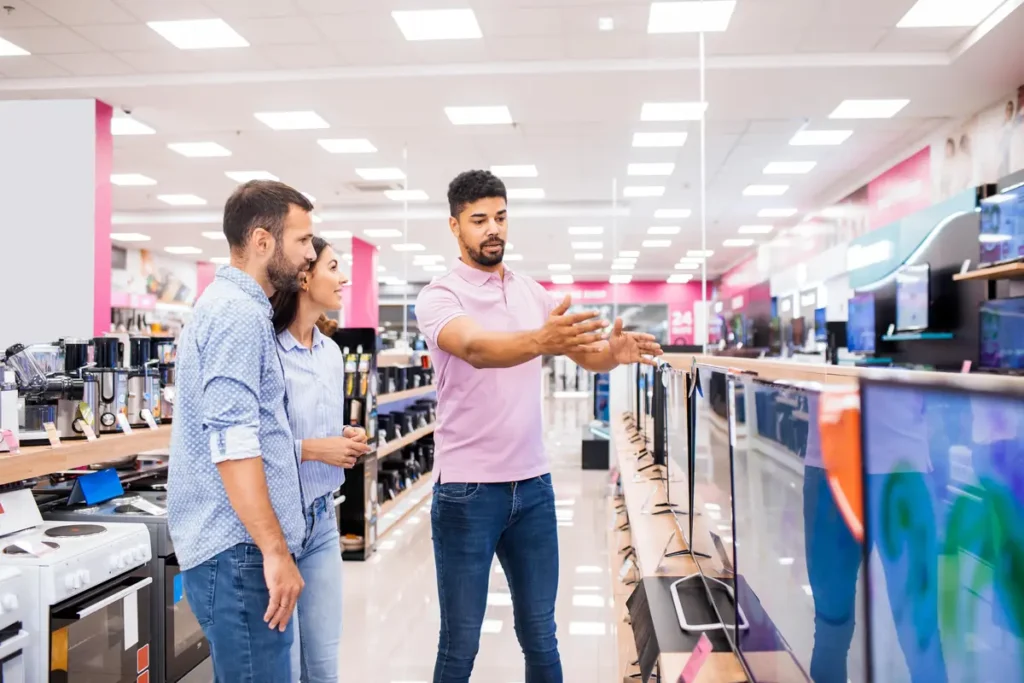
{"type": "Point", "coordinates": [260, 204]}
{"type": "Point", "coordinates": [472, 186]}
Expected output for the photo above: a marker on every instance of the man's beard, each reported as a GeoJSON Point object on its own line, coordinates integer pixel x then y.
{"type": "Point", "coordinates": [283, 276]}
{"type": "Point", "coordinates": [483, 259]}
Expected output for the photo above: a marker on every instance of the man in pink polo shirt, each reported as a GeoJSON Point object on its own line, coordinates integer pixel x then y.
{"type": "Point", "coordinates": [487, 329]}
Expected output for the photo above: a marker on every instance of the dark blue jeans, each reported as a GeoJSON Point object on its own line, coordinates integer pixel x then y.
{"type": "Point", "coordinates": [471, 523]}
{"type": "Point", "coordinates": [229, 597]}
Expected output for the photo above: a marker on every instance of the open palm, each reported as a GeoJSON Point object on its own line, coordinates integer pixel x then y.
{"type": "Point", "coordinates": [632, 347]}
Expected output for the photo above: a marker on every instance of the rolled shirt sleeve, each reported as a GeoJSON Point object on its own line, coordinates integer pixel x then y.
{"type": "Point", "coordinates": [436, 306]}
{"type": "Point", "coordinates": [231, 381]}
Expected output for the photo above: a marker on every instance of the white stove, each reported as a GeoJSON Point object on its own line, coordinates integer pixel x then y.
{"type": "Point", "coordinates": [14, 606]}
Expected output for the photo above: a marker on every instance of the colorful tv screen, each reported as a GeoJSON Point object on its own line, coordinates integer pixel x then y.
{"type": "Point", "coordinates": [1002, 334]}
{"type": "Point", "coordinates": [912, 298]}
{"type": "Point", "coordinates": [820, 333]}
{"type": "Point", "coordinates": [860, 325]}
{"type": "Point", "coordinates": [1001, 236]}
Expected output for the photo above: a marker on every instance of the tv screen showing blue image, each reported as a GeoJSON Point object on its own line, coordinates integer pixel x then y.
{"type": "Point", "coordinates": [860, 325]}
{"type": "Point", "coordinates": [1001, 236]}
{"type": "Point", "coordinates": [1002, 334]}
{"type": "Point", "coordinates": [913, 297]}
{"type": "Point", "coordinates": [820, 333]}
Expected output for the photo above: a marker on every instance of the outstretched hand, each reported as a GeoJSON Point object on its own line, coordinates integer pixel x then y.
{"type": "Point", "coordinates": [632, 347]}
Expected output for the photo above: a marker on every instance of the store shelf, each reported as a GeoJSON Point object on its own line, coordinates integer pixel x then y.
{"type": "Point", "coordinates": [38, 461]}
{"type": "Point", "coordinates": [407, 440]}
{"type": "Point", "coordinates": [401, 506]}
{"type": "Point", "coordinates": [1010, 271]}
{"type": "Point", "coordinates": [385, 399]}
{"type": "Point", "coordinates": [918, 336]}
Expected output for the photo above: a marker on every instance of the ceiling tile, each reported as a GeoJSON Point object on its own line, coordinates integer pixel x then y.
{"type": "Point", "coordinates": [91, 64]}
{"type": "Point", "coordinates": [921, 39]}
{"type": "Point", "coordinates": [832, 38]}
{"type": "Point", "coordinates": [301, 56]}
{"type": "Point", "coordinates": [279, 31]}
{"type": "Point", "coordinates": [74, 12]}
{"type": "Point", "coordinates": [195, 60]}
{"type": "Point", "coordinates": [24, 15]}
{"type": "Point", "coordinates": [162, 10]}
{"type": "Point", "coordinates": [30, 67]}
{"type": "Point", "coordinates": [130, 38]}
{"type": "Point", "coordinates": [49, 40]}
{"type": "Point", "coordinates": [252, 9]}
{"type": "Point", "coordinates": [877, 13]}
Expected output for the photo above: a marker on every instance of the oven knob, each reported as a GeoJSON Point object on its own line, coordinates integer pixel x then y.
{"type": "Point", "coordinates": [126, 558]}
{"type": "Point", "coordinates": [115, 562]}
{"type": "Point", "coordinates": [9, 602]}
{"type": "Point", "coordinates": [69, 582]}
{"type": "Point", "coordinates": [144, 552]}
{"type": "Point", "coordinates": [83, 574]}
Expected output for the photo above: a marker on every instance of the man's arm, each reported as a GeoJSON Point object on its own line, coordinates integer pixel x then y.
{"type": "Point", "coordinates": [620, 348]}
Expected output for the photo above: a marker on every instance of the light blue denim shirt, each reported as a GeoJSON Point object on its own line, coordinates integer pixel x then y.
{"type": "Point", "coordinates": [230, 405]}
{"type": "Point", "coordinates": [316, 404]}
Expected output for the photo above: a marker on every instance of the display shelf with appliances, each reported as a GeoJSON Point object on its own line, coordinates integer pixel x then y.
{"type": "Point", "coordinates": [1007, 271]}
{"type": "Point", "coordinates": [398, 396]}
{"type": "Point", "coordinates": [392, 447]}
{"type": "Point", "coordinates": [394, 511]}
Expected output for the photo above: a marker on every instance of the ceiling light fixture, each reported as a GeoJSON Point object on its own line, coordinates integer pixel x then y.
{"type": "Point", "coordinates": [755, 229]}
{"type": "Point", "coordinates": [198, 150]}
{"type": "Point", "coordinates": [629, 254]}
{"type": "Point", "coordinates": [561, 279]}
{"type": "Point", "coordinates": [131, 180]}
{"type": "Point", "coordinates": [636, 191]}
{"type": "Point", "coordinates": [587, 245]}
{"type": "Point", "coordinates": [292, 120]}
{"type": "Point", "coordinates": [676, 139]}
{"type": "Point", "coordinates": [220, 260]}
{"type": "Point", "coordinates": [948, 13]}
{"type": "Point", "coordinates": [437, 24]}
{"type": "Point", "coordinates": [765, 190]}
{"type": "Point", "coordinates": [700, 254]}
{"type": "Point", "coordinates": [406, 195]}
{"type": "Point", "coordinates": [126, 125]}
{"type": "Point", "coordinates": [820, 138]}
{"type": "Point", "coordinates": [589, 256]}
{"type": "Point", "coordinates": [559, 266]}
{"type": "Point", "coordinates": [606, 24]}
{"type": "Point", "coordinates": [181, 199]}
{"type": "Point", "coordinates": [525, 193]}
{"type": "Point", "coordinates": [651, 169]}
{"type": "Point", "coordinates": [620, 279]}
{"type": "Point", "coordinates": [776, 213]}
{"type": "Point", "coordinates": [656, 244]}
{"type": "Point", "coordinates": [738, 242]}
{"type": "Point", "coordinates": [690, 16]}
{"type": "Point", "coordinates": [673, 213]}
{"type": "Point", "coordinates": [513, 257]}
{"type": "Point", "coordinates": [673, 111]}
{"type": "Point", "coordinates": [383, 233]}
{"type": "Point", "coordinates": [347, 146]}
{"type": "Point", "coordinates": [198, 34]}
{"type": "Point", "coordinates": [215, 235]}
{"type": "Point", "coordinates": [129, 237]}
{"type": "Point", "coordinates": [336, 234]}
{"type": "Point", "coordinates": [9, 49]}
{"type": "Point", "coordinates": [408, 246]}
{"type": "Point", "coordinates": [868, 109]}
{"type": "Point", "coordinates": [246, 176]}
{"type": "Point", "coordinates": [586, 230]}
{"type": "Point", "coordinates": [679, 279]}
{"type": "Point", "coordinates": [380, 173]}
{"type": "Point", "coordinates": [663, 230]}
{"type": "Point", "coordinates": [688, 265]}
{"type": "Point", "coordinates": [183, 251]}
{"type": "Point", "coordinates": [515, 171]}
{"type": "Point", "coordinates": [789, 167]}
{"type": "Point", "coordinates": [479, 116]}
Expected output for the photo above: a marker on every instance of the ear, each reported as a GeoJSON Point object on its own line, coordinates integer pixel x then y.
{"type": "Point", "coordinates": [262, 241]}
{"type": "Point", "coordinates": [453, 225]}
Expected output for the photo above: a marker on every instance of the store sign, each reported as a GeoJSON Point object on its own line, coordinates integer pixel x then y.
{"type": "Point", "coordinates": [681, 324]}
{"type": "Point", "coordinates": [861, 256]}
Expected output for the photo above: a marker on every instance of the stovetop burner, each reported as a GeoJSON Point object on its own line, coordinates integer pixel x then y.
{"type": "Point", "coordinates": [73, 530]}
{"type": "Point", "coordinates": [125, 509]}
{"type": "Point", "coordinates": [15, 550]}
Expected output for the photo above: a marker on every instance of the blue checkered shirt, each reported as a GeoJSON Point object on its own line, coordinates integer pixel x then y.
{"type": "Point", "coordinates": [230, 405]}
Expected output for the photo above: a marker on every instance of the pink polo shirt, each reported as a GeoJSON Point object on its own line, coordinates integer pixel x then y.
{"type": "Point", "coordinates": [488, 421]}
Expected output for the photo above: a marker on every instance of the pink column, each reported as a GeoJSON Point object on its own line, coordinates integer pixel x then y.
{"type": "Point", "coordinates": [364, 300]}
{"type": "Point", "coordinates": [205, 272]}
{"type": "Point", "coordinates": [104, 208]}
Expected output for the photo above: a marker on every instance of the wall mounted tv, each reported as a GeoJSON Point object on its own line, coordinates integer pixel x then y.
{"type": "Point", "coordinates": [1002, 334]}
{"type": "Point", "coordinates": [860, 324]}
{"type": "Point", "coordinates": [913, 297]}
{"type": "Point", "coordinates": [1001, 236]}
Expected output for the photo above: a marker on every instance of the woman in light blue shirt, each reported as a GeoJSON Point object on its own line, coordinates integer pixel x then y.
{"type": "Point", "coordinates": [314, 383]}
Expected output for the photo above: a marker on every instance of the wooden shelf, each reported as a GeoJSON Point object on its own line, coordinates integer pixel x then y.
{"type": "Point", "coordinates": [385, 399]}
{"type": "Point", "coordinates": [38, 461]}
{"type": "Point", "coordinates": [1010, 271]}
{"type": "Point", "coordinates": [407, 440]}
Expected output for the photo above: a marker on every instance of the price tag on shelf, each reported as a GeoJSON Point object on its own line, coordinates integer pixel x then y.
{"type": "Point", "coordinates": [148, 417]}
{"type": "Point", "coordinates": [965, 267]}
{"type": "Point", "coordinates": [10, 440]}
{"type": "Point", "coordinates": [696, 661]}
{"type": "Point", "coordinates": [90, 433]}
{"type": "Point", "coordinates": [122, 422]}
{"type": "Point", "coordinates": [966, 367]}
{"type": "Point", "coordinates": [51, 434]}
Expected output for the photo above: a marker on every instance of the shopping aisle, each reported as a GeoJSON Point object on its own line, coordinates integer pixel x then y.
{"type": "Point", "coordinates": [391, 615]}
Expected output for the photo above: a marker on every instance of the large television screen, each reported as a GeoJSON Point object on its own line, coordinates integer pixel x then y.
{"type": "Point", "coordinates": [943, 465]}
{"type": "Point", "coordinates": [1001, 237]}
{"type": "Point", "coordinates": [860, 324]}
{"type": "Point", "coordinates": [820, 333]}
{"type": "Point", "coordinates": [913, 297]}
{"type": "Point", "coordinates": [1002, 334]}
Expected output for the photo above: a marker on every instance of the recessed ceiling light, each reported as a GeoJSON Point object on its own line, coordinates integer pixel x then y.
{"type": "Point", "coordinates": [214, 235]}
{"type": "Point", "coordinates": [388, 233]}
{"type": "Point", "coordinates": [643, 191]}
{"type": "Point", "coordinates": [765, 190]}
{"type": "Point", "coordinates": [587, 245]}
{"type": "Point", "coordinates": [561, 279]}
{"type": "Point", "coordinates": [526, 193]}
{"type": "Point", "coordinates": [690, 16]}
{"type": "Point", "coordinates": [515, 171]}
{"type": "Point", "coordinates": [380, 173]}
{"type": "Point", "coordinates": [9, 49]}
{"type": "Point", "coordinates": [776, 213]}
{"type": "Point", "coordinates": [651, 169]}
{"type": "Point", "coordinates": [619, 280]}
{"type": "Point", "coordinates": [199, 149]}
{"type": "Point", "coordinates": [181, 199]}
{"type": "Point", "coordinates": [820, 138]}
{"type": "Point", "coordinates": [220, 260]}
{"type": "Point", "coordinates": [347, 146]}
{"type": "Point", "coordinates": [588, 256]}
{"type": "Point", "coordinates": [292, 120]}
{"type": "Point", "coordinates": [336, 234]}
{"type": "Point", "coordinates": [509, 246]}
{"type": "Point", "coordinates": [393, 281]}
{"type": "Point", "coordinates": [755, 229]}
{"type": "Point", "coordinates": [131, 180]}
{"type": "Point", "coordinates": [246, 176]}
{"type": "Point", "coordinates": [438, 24]}
{"type": "Point", "coordinates": [126, 125]}
{"type": "Point", "coordinates": [513, 257]}
{"type": "Point", "coordinates": [478, 116]}
{"type": "Point", "coordinates": [673, 111]}
{"type": "Point", "coordinates": [677, 139]}
{"type": "Point", "coordinates": [789, 167]}
{"type": "Point", "coordinates": [656, 244]}
{"type": "Point", "coordinates": [408, 246]}
{"type": "Point", "coordinates": [738, 242]}
{"type": "Point", "coordinates": [663, 230]}
{"type": "Point", "coordinates": [129, 237]}
{"type": "Point", "coordinates": [948, 13]}
{"type": "Point", "coordinates": [629, 254]}
{"type": "Point", "coordinates": [586, 230]}
{"type": "Point", "coordinates": [688, 265]}
{"type": "Point", "coordinates": [406, 195]}
{"type": "Point", "coordinates": [698, 253]}
{"type": "Point", "coordinates": [868, 109]}
{"type": "Point", "coordinates": [198, 34]}
{"type": "Point", "coordinates": [559, 266]}
{"type": "Point", "coordinates": [679, 279]}
{"type": "Point", "coordinates": [673, 213]}
{"type": "Point", "coordinates": [181, 251]}
{"type": "Point", "coordinates": [606, 24]}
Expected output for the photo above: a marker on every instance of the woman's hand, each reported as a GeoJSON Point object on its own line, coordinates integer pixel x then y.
{"type": "Point", "coordinates": [357, 434]}
{"type": "Point", "coordinates": [340, 451]}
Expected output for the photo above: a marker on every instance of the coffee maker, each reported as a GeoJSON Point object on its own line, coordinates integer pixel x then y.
{"type": "Point", "coordinates": [48, 396]}
{"type": "Point", "coordinates": [76, 410]}
{"type": "Point", "coordinates": [143, 382]}
{"type": "Point", "coordinates": [164, 353]}
{"type": "Point", "coordinates": [111, 380]}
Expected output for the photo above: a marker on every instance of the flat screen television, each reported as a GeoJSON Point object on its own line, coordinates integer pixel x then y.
{"type": "Point", "coordinates": [799, 332]}
{"type": "Point", "coordinates": [943, 466]}
{"type": "Point", "coordinates": [913, 297]}
{"type": "Point", "coordinates": [1002, 334]}
{"type": "Point", "coordinates": [820, 333]}
{"type": "Point", "coordinates": [1001, 236]}
{"type": "Point", "coordinates": [860, 324]}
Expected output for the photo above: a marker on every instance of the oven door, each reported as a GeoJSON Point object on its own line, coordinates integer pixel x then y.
{"type": "Point", "coordinates": [103, 634]}
{"type": "Point", "coordinates": [12, 659]}
{"type": "Point", "coordinates": [185, 644]}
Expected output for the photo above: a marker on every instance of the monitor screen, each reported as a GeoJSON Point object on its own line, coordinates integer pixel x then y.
{"type": "Point", "coordinates": [799, 332]}
{"type": "Point", "coordinates": [860, 325]}
{"type": "Point", "coordinates": [1001, 237]}
{"type": "Point", "coordinates": [913, 297]}
{"type": "Point", "coordinates": [820, 333]}
{"type": "Point", "coordinates": [1002, 334]}
{"type": "Point", "coordinates": [944, 528]}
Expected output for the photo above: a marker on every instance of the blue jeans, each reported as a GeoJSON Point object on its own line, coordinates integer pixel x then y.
{"type": "Point", "coordinates": [228, 595]}
{"type": "Point", "coordinates": [315, 652]}
{"type": "Point", "coordinates": [471, 523]}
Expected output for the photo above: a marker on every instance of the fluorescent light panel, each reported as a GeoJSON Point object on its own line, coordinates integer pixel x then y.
{"type": "Point", "coordinates": [292, 120]}
{"type": "Point", "coordinates": [246, 176]}
{"type": "Point", "coordinates": [586, 230]}
{"type": "Point", "coordinates": [525, 193]}
{"type": "Point", "coordinates": [691, 16]}
{"type": "Point", "coordinates": [688, 265]}
{"type": "Point", "coordinates": [515, 171]}
{"type": "Point", "coordinates": [479, 116]}
{"type": "Point", "coordinates": [215, 235]}
{"type": "Point", "coordinates": [820, 138]}
{"type": "Point", "coordinates": [636, 191]}
{"type": "Point", "coordinates": [562, 279]}
{"type": "Point", "coordinates": [663, 230]}
{"type": "Point", "coordinates": [656, 244]}
{"type": "Point", "coordinates": [651, 169]}
{"type": "Point", "coordinates": [9, 49]}
{"type": "Point", "coordinates": [559, 267]}
{"type": "Point", "coordinates": [755, 229]}
{"type": "Point", "coordinates": [948, 13]}
{"type": "Point", "coordinates": [869, 109]}
{"type": "Point", "coordinates": [347, 145]}
{"type": "Point", "coordinates": [606, 24]}
{"type": "Point", "coordinates": [380, 173]}
{"type": "Point", "coordinates": [220, 260]}
{"type": "Point", "coordinates": [182, 251]}
{"type": "Point", "coordinates": [408, 246]}
{"type": "Point", "coordinates": [789, 167]}
{"type": "Point", "coordinates": [620, 279]}
{"type": "Point", "coordinates": [406, 195]}
{"type": "Point", "coordinates": [673, 111]}
{"type": "Point", "coordinates": [126, 125]}
{"type": "Point", "coordinates": [513, 257]}
{"type": "Point", "coordinates": [671, 139]}
{"type": "Point", "coordinates": [679, 279]}
{"type": "Point", "coordinates": [765, 190]}
{"type": "Point", "coordinates": [129, 237]}
{"type": "Point", "coordinates": [383, 233]}
{"type": "Point", "coordinates": [181, 199]}
{"type": "Point", "coordinates": [131, 180]}
{"type": "Point", "coordinates": [198, 34]}
{"type": "Point", "coordinates": [697, 253]}
{"type": "Point", "coordinates": [438, 24]}
{"type": "Point", "coordinates": [199, 149]}
{"type": "Point", "coordinates": [336, 234]}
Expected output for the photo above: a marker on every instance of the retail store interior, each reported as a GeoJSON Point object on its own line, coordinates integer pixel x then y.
{"type": "Point", "coordinates": [815, 206]}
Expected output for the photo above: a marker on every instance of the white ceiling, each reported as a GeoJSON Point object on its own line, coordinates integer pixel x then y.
{"type": "Point", "coordinates": [574, 92]}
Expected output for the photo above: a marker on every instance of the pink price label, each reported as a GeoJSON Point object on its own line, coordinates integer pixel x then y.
{"type": "Point", "coordinates": [696, 661]}
{"type": "Point", "coordinates": [10, 440]}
